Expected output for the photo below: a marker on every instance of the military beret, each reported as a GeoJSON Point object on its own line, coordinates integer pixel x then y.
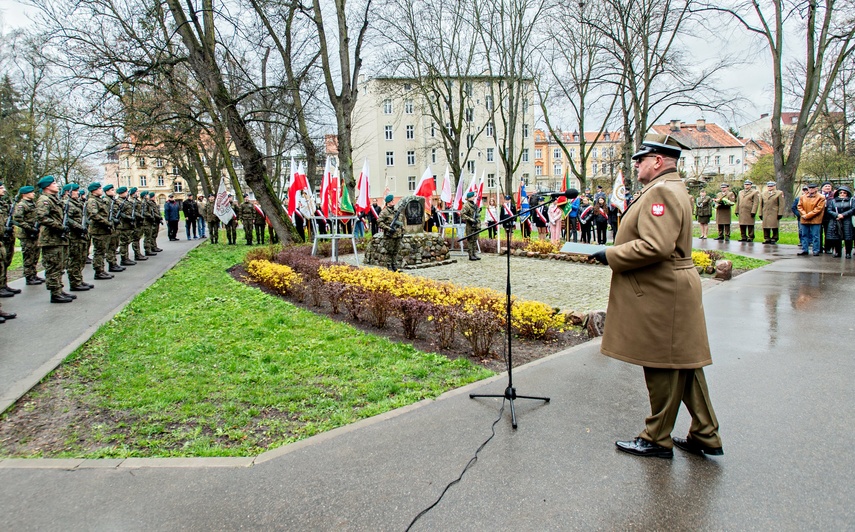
{"type": "Point", "coordinates": [144, 193]}
{"type": "Point", "coordinates": [389, 198]}
{"type": "Point", "coordinates": [93, 186]}
{"type": "Point", "coordinates": [26, 190]}
{"type": "Point", "coordinates": [770, 183]}
{"type": "Point", "coordinates": [470, 195]}
{"type": "Point", "coordinates": [108, 186]}
{"type": "Point", "coordinates": [1, 183]}
{"type": "Point", "coordinates": [132, 190]}
{"type": "Point", "coordinates": [811, 185]}
{"type": "Point", "coordinates": [748, 182]}
{"type": "Point", "coordinates": [662, 144]}
{"type": "Point", "coordinates": [75, 186]}
{"type": "Point", "coordinates": [66, 187]}
{"type": "Point", "coordinates": [121, 190]}
{"type": "Point", "coordinates": [45, 181]}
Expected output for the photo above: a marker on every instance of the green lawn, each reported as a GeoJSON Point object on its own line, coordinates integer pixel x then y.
{"type": "Point", "coordinates": [202, 365]}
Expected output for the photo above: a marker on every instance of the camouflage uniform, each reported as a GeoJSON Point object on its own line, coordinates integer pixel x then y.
{"type": "Point", "coordinates": [213, 223]}
{"type": "Point", "coordinates": [156, 220]}
{"type": "Point", "coordinates": [49, 211]}
{"type": "Point", "coordinates": [28, 233]}
{"type": "Point", "coordinates": [125, 207]}
{"type": "Point", "coordinates": [138, 222]}
{"type": "Point", "coordinates": [231, 227]}
{"type": "Point", "coordinates": [247, 219]}
{"type": "Point", "coordinates": [391, 238]}
{"type": "Point", "coordinates": [146, 222]}
{"type": "Point", "coordinates": [101, 229]}
{"type": "Point", "coordinates": [471, 216]}
{"type": "Point", "coordinates": [116, 235]}
{"type": "Point", "coordinates": [260, 223]}
{"type": "Point", "coordinates": [75, 258]}
{"type": "Point", "coordinates": [7, 240]}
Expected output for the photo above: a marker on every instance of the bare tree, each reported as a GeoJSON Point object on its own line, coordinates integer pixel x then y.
{"type": "Point", "coordinates": [827, 29]}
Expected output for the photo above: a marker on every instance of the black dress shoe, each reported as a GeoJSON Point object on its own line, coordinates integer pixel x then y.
{"type": "Point", "coordinates": [836, 255]}
{"type": "Point", "coordinates": [72, 296]}
{"type": "Point", "coordinates": [6, 293]}
{"type": "Point", "coordinates": [32, 282]}
{"type": "Point", "coordinates": [2, 319]}
{"type": "Point", "coordinates": [115, 268]}
{"type": "Point", "coordinates": [103, 276]}
{"type": "Point", "coordinates": [8, 315]}
{"type": "Point", "coordinates": [79, 288]}
{"type": "Point", "coordinates": [641, 447]}
{"type": "Point", "coordinates": [691, 446]}
{"type": "Point", "coordinates": [802, 253]}
{"type": "Point", "coordinates": [38, 279]}
{"type": "Point", "coordinates": [127, 262]}
{"type": "Point", "coordinates": [59, 298]}
{"type": "Point", "coordinates": [13, 290]}
{"type": "Point", "coordinates": [137, 259]}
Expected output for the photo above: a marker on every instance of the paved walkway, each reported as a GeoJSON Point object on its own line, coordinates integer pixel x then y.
{"type": "Point", "coordinates": [781, 385]}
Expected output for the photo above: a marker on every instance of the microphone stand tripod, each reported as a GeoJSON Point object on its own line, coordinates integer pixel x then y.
{"type": "Point", "coordinates": [510, 392]}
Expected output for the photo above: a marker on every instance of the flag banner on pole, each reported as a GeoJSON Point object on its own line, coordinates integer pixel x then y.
{"type": "Point", "coordinates": [565, 204]}
{"type": "Point", "coordinates": [480, 192]}
{"type": "Point", "coordinates": [426, 186]}
{"type": "Point", "coordinates": [458, 196]}
{"type": "Point", "coordinates": [297, 185]}
{"type": "Point", "coordinates": [222, 206]}
{"type": "Point", "coordinates": [363, 204]}
{"type": "Point", "coordinates": [345, 206]}
{"type": "Point", "coordinates": [446, 195]}
{"type": "Point", "coordinates": [326, 186]}
{"type": "Point", "coordinates": [618, 197]}
{"type": "Point", "coordinates": [522, 201]}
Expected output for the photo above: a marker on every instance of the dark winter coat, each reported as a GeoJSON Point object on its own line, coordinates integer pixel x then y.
{"type": "Point", "coordinates": [191, 209]}
{"type": "Point", "coordinates": [846, 207]}
{"type": "Point", "coordinates": [171, 211]}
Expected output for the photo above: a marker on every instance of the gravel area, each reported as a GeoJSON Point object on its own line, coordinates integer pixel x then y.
{"type": "Point", "coordinates": [568, 286]}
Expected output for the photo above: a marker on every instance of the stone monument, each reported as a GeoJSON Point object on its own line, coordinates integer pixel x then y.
{"type": "Point", "coordinates": [418, 249]}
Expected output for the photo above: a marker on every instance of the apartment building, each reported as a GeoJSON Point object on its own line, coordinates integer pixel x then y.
{"type": "Point", "coordinates": [129, 166]}
{"type": "Point", "coordinates": [393, 130]}
{"type": "Point", "coordinates": [714, 150]}
{"type": "Point", "coordinates": [551, 163]}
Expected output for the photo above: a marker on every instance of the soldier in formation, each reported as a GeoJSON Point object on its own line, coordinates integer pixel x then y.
{"type": "Point", "coordinates": [747, 203]}
{"type": "Point", "coordinates": [231, 227]}
{"type": "Point", "coordinates": [28, 233]}
{"type": "Point", "coordinates": [772, 208]}
{"type": "Point", "coordinates": [100, 229]}
{"type": "Point", "coordinates": [213, 221]}
{"type": "Point", "coordinates": [7, 242]}
{"type": "Point", "coordinates": [247, 219]}
{"type": "Point", "coordinates": [78, 239]}
{"type": "Point", "coordinates": [115, 236]}
{"type": "Point", "coordinates": [393, 231]}
{"type": "Point", "coordinates": [51, 214]}
{"type": "Point", "coordinates": [471, 216]}
{"type": "Point", "coordinates": [259, 221]}
{"type": "Point", "coordinates": [723, 203]}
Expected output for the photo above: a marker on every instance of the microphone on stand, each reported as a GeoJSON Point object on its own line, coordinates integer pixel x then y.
{"type": "Point", "coordinates": [571, 193]}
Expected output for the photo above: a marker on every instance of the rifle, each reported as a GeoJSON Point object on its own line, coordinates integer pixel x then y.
{"type": "Point", "coordinates": [395, 224]}
{"type": "Point", "coordinates": [64, 235]}
{"type": "Point", "coordinates": [119, 211]}
{"type": "Point", "coordinates": [134, 213]}
{"type": "Point", "coordinates": [85, 221]}
{"type": "Point", "coordinates": [8, 231]}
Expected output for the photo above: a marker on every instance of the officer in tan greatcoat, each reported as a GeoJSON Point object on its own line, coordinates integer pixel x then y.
{"type": "Point", "coordinates": [723, 204]}
{"type": "Point", "coordinates": [772, 209]}
{"type": "Point", "coordinates": [655, 313]}
{"type": "Point", "coordinates": [747, 202]}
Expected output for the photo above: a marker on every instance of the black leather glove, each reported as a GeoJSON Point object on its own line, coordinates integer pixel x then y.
{"type": "Point", "coordinates": [753, 215]}
{"type": "Point", "coordinates": [600, 257]}
{"type": "Point", "coordinates": [779, 217]}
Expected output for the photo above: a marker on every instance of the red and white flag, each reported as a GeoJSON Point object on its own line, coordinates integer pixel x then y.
{"type": "Point", "coordinates": [363, 203]}
{"type": "Point", "coordinates": [426, 187]}
{"type": "Point", "coordinates": [222, 205]}
{"type": "Point", "coordinates": [326, 185]}
{"type": "Point", "coordinates": [618, 197]}
{"type": "Point", "coordinates": [458, 196]}
{"type": "Point", "coordinates": [298, 184]}
{"type": "Point", "coordinates": [446, 195]}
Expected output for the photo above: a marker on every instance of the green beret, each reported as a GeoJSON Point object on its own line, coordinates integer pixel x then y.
{"type": "Point", "coordinates": [121, 190]}
{"type": "Point", "coordinates": [93, 186]}
{"type": "Point", "coordinates": [108, 186]}
{"type": "Point", "coordinates": [66, 187]}
{"type": "Point", "coordinates": [75, 186]}
{"type": "Point", "coordinates": [143, 194]}
{"type": "Point", "coordinates": [389, 198]}
{"type": "Point", "coordinates": [470, 195]}
{"type": "Point", "coordinates": [132, 190]}
{"type": "Point", "coordinates": [26, 190]}
{"type": "Point", "coordinates": [45, 182]}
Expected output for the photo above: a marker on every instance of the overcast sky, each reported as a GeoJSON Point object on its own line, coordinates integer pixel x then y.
{"type": "Point", "coordinates": [753, 80]}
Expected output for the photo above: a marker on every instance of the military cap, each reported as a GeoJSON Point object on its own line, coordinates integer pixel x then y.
{"type": "Point", "coordinates": [770, 183]}
{"type": "Point", "coordinates": [75, 186]}
{"type": "Point", "coordinates": [173, 195]}
{"type": "Point", "coordinates": [470, 195]}
{"type": "Point", "coordinates": [144, 193]}
{"type": "Point", "coordinates": [121, 190]}
{"type": "Point", "coordinates": [93, 186]}
{"type": "Point", "coordinates": [26, 190]}
{"type": "Point", "coordinates": [662, 144]}
{"type": "Point", "coordinates": [66, 187]}
{"type": "Point", "coordinates": [748, 182]}
{"type": "Point", "coordinates": [812, 185]}
{"type": "Point", "coordinates": [724, 185]}
{"type": "Point", "coordinates": [108, 186]}
{"type": "Point", "coordinates": [45, 181]}
{"type": "Point", "coordinates": [132, 190]}
{"type": "Point", "coordinates": [507, 196]}
{"type": "Point", "coordinates": [389, 198]}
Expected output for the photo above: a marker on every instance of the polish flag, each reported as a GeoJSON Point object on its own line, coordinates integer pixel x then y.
{"type": "Point", "coordinates": [446, 195]}
{"type": "Point", "coordinates": [326, 186]}
{"type": "Point", "coordinates": [298, 184]}
{"type": "Point", "coordinates": [363, 203]}
{"type": "Point", "coordinates": [426, 187]}
{"type": "Point", "coordinates": [458, 196]}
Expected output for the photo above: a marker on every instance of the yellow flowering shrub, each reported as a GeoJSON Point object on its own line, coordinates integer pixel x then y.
{"type": "Point", "coordinates": [272, 275]}
{"type": "Point", "coordinates": [541, 246]}
{"type": "Point", "coordinates": [533, 319]}
{"type": "Point", "coordinates": [701, 259]}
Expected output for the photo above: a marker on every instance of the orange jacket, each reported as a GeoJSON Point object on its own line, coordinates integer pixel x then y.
{"type": "Point", "coordinates": [811, 208]}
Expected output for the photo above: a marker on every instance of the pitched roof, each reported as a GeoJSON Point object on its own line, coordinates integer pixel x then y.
{"type": "Point", "coordinates": [705, 135]}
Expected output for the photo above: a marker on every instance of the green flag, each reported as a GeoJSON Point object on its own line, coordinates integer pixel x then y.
{"type": "Point", "coordinates": [565, 204]}
{"type": "Point", "coordinates": [345, 205]}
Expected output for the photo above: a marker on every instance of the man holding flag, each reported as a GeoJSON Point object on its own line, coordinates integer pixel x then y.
{"type": "Point", "coordinates": [523, 205]}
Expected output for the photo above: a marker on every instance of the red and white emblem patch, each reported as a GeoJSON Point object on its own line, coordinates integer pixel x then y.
{"type": "Point", "coordinates": [658, 209]}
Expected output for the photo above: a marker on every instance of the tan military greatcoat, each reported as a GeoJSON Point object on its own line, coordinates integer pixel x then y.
{"type": "Point", "coordinates": [772, 206]}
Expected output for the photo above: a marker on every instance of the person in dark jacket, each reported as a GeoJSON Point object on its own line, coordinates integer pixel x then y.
{"type": "Point", "coordinates": [191, 212]}
{"type": "Point", "coordinates": [614, 214]}
{"type": "Point", "coordinates": [171, 213]}
{"type": "Point", "coordinates": [601, 220]}
{"type": "Point", "coordinates": [840, 229]}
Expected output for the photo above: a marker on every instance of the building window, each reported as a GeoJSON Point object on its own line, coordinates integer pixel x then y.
{"type": "Point", "coordinates": [525, 131]}
{"type": "Point", "coordinates": [467, 88]}
{"type": "Point", "coordinates": [489, 129]}
{"type": "Point", "coordinates": [141, 162]}
{"type": "Point", "coordinates": [556, 154]}
{"type": "Point", "coordinates": [411, 132]}
{"type": "Point", "coordinates": [707, 159]}
{"type": "Point", "coordinates": [538, 153]}
{"type": "Point", "coordinates": [470, 166]}
{"type": "Point", "coordinates": [730, 159]}
{"type": "Point", "coordinates": [470, 141]}
{"type": "Point", "coordinates": [491, 180]}
{"type": "Point", "coordinates": [606, 136]}
{"type": "Point", "coordinates": [594, 169]}
{"type": "Point", "coordinates": [408, 107]}
{"type": "Point", "coordinates": [390, 158]}
{"type": "Point", "coordinates": [594, 153]}
{"type": "Point", "coordinates": [387, 106]}
{"type": "Point", "coordinates": [411, 158]}
{"type": "Point", "coordinates": [556, 169]}
{"type": "Point", "coordinates": [449, 130]}
{"type": "Point", "coordinates": [717, 160]}
{"type": "Point", "coordinates": [572, 153]}
{"type": "Point", "coordinates": [175, 170]}
{"type": "Point", "coordinates": [388, 132]}
{"type": "Point", "coordinates": [538, 170]}
{"type": "Point", "coordinates": [158, 163]}
{"type": "Point", "coordinates": [160, 181]}
{"type": "Point", "coordinates": [469, 114]}
{"type": "Point", "coordinates": [433, 156]}
{"type": "Point", "coordinates": [432, 130]}
{"type": "Point", "coordinates": [525, 155]}
{"type": "Point", "coordinates": [411, 183]}
{"type": "Point", "coordinates": [143, 181]}
{"type": "Point", "coordinates": [177, 186]}
{"type": "Point", "coordinates": [489, 155]}
{"type": "Point", "coordinates": [488, 102]}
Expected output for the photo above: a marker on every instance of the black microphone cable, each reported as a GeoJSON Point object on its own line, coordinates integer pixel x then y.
{"type": "Point", "coordinates": [468, 465]}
